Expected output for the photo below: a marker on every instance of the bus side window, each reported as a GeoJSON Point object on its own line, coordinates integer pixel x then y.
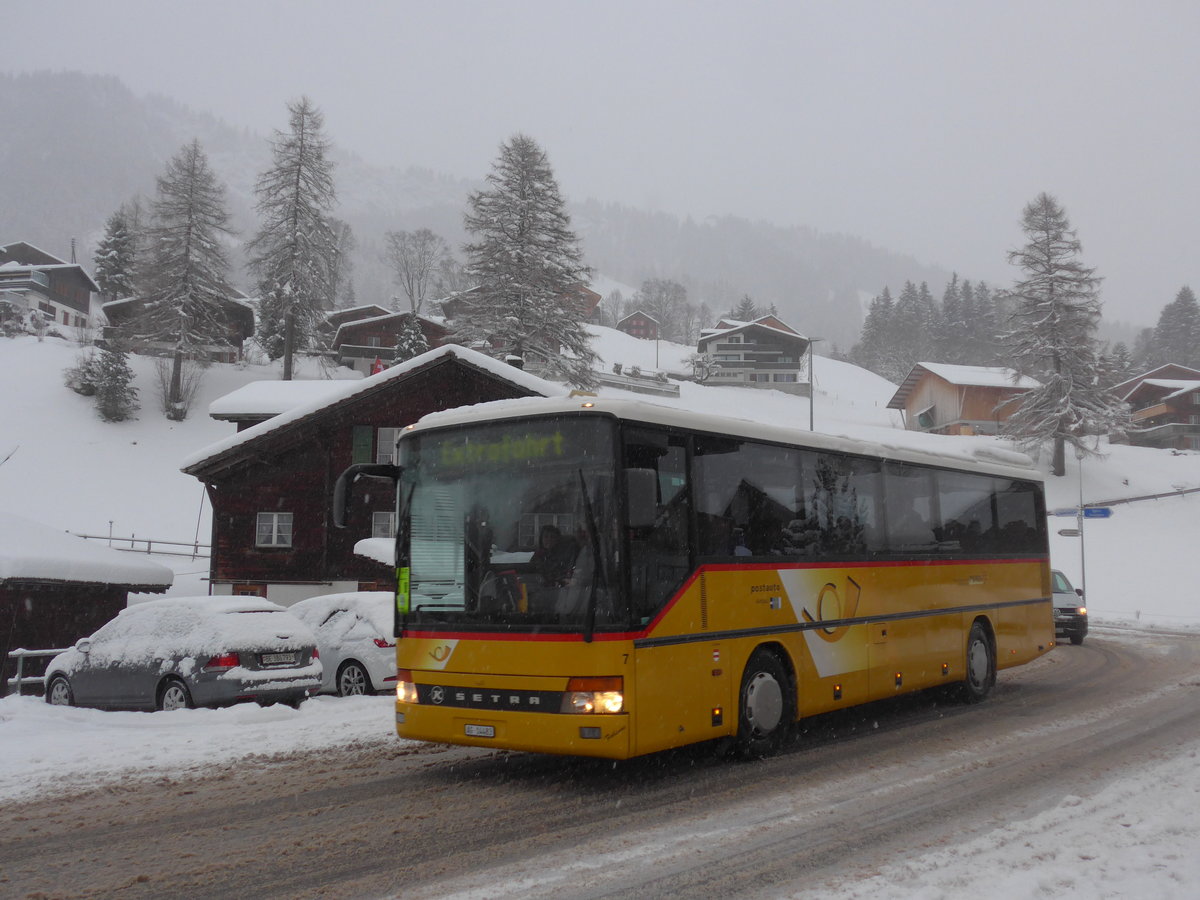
{"type": "Point", "coordinates": [659, 559]}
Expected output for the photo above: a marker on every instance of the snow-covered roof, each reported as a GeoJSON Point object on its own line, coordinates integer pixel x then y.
{"type": "Point", "coordinates": [350, 389]}
{"type": "Point", "coordinates": [1175, 387]}
{"type": "Point", "coordinates": [1127, 386]}
{"type": "Point", "coordinates": [375, 320]}
{"type": "Point", "coordinates": [965, 376]}
{"type": "Point", "coordinates": [979, 376]}
{"type": "Point", "coordinates": [270, 398]}
{"type": "Point", "coordinates": [30, 551]}
{"type": "Point", "coordinates": [709, 334]}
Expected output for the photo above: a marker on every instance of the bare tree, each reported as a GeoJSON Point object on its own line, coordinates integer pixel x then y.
{"type": "Point", "coordinates": [416, 258]}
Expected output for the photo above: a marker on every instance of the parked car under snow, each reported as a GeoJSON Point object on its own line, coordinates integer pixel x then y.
{"type": "Point", "coordinates": [354, 636]}
{"type": "Point", "coordinates": [189, 651]}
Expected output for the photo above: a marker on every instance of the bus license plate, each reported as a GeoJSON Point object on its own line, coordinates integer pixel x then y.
{"type": "Point", "coordinates": [481, 731]}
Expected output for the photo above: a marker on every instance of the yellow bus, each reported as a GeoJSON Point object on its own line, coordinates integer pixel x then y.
{"type": "Point", "coordinates": [605, 577]}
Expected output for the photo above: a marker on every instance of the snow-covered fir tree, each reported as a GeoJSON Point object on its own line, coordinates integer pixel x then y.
{"type": "Point", "coordinates": [411, 340]}
{"type": "Point", "coordinates": [116, 397]}
{"type": "Point", "coordinates": [525, 261]}
{"type": "Point", "coordinates": [745, 310]}
{"type": "Point", "coordinates": [1052, 337]}
{"type": "Point", "coordinates": [186, 273]}
{"type": "Point", "coordinates": [1176, 337]}
{"type": "Point", "coordinates": [293, 255]}
{"type": "Point", "coordinates": [115, 260]}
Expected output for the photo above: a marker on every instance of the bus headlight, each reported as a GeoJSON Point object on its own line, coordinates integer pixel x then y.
{"type": "Point", "coordinates": [601, 696]}
{"type": "Point", "coordinates": [406, 688]}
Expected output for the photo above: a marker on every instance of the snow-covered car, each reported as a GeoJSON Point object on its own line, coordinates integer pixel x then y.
{"type": "Point", "coordinates": [354, 636]}
{"type": "Point", "coordinates": [1070, 615]}
{"type": "Point", "coordinates": [189, 651]}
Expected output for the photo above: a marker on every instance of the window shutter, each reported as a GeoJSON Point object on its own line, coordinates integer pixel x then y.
{"type": "Point", "coordinates": [361, 443]}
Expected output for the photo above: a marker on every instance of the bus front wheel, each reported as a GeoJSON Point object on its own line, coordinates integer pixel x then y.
{"type": "Point", "coordinates": [981, 666]}
{"type": "Point", "coordinates": [764, 706]}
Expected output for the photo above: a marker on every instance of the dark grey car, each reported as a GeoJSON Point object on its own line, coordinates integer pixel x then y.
{"type": "Point", "coordinates": [1070, 615]}
{"type": "Point", "coordinates": [189, 651]}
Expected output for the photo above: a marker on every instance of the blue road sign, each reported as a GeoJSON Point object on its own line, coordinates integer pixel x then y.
{"type": "Point", "coordinates": [1096, 512]}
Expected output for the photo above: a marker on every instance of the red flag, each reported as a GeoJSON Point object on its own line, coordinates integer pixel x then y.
{"type": "Point", "coordinates": [377, 366]}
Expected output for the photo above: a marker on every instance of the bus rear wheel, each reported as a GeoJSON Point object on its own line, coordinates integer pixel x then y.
{"type": "Point", "coordinates": [764, 706]}
{"type": "Point", "coordinates": [981, 666]}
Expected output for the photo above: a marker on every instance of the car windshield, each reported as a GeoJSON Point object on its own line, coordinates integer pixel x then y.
{"type": "Point", "coordinates": [1061, 585]}
{"type": "Point", "coordinates": [512, 524]}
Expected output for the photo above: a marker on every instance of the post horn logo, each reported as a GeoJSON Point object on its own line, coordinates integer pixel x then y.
{"type": "Point", "coordinates": [440, 654]}
{"type": "Point", "coordinates": [831, 608]}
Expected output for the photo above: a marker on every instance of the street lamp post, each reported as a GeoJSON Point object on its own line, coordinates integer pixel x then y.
{"type": "Point", "coordinates": [812, 384]}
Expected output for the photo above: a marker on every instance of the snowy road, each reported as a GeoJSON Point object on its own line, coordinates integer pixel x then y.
{"type": "Point", "coordinates": [858, 793]}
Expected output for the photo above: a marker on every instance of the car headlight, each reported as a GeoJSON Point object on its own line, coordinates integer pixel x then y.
{"type": "Point", "coordinates": [600, 696]}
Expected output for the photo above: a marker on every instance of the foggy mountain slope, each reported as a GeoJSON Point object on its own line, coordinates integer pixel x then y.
{"type": "Point", "coordinates": [86, 143]}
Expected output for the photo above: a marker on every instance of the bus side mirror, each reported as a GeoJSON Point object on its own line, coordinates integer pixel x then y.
{"type": "Point", "coordinates": [641, 487]}
{"type": "Point", "coordinates": [341, 488]}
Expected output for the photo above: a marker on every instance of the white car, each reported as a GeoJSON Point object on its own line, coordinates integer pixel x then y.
{"type": "Point", "coordinates": [354, 637]}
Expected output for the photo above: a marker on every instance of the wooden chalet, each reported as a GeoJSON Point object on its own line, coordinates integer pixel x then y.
{"type": "Point", "coordinates": [56, 588]}
{"type": "Point", "coordinates": [765, 353]}
{"type": "Point", "coordinates": [123, 315]}
{"type": "Point", "coordinates": [949, 399]}
{"type": "Point", "coordinates": [32, 279]}
{"type": "Point", "coordinates": [368, 344]}
{"type": "Point", "coordinates": [639, 325]}
{"type": "Point", "coordinates": [1164, 405]}
{"type": "Point", "coordinates": [270, 485]}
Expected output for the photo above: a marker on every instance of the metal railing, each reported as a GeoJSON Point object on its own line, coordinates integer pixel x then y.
{"type": "Point", "coordinates": [149, 545]}
{"type": "Point", "coordinates": [21, 679]}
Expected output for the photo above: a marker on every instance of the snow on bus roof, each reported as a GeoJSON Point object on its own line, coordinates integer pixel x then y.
{"type": "Point", "coordinates": [888, 443]}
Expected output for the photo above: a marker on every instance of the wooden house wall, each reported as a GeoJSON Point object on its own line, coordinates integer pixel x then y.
{"type": "Point", "coordinates": [49, 616]}
{"type": "Point", "coordinates": [298, 477]}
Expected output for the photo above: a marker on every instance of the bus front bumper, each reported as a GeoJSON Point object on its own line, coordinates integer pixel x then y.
{"type": "Point", "coordinates": [605, 736]}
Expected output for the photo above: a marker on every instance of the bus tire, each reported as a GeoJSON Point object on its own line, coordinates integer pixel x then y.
{"type": "Point", "coordinates": [981, 666]}
{"type": "Point", "coordinates": [764, 705]}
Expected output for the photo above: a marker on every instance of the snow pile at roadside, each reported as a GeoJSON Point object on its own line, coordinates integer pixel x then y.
{"type": "Point", "coordinates": [1135, 838]}
{"type": "Point", "coordinates": [49, 750]}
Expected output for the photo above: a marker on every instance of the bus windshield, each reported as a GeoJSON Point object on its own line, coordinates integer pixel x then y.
{"type": "Point", "coordinates": [512, 524]}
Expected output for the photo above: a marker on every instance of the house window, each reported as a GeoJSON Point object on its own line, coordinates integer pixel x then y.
{"type": "Point", "coordinates": [1196, 399]}
{"type": "Point", "coordinates": [249, 590]}
{"type": "Point", "coordinates": [734, 339]}
{"type": "Point", "coordinates": [373, 341]}
{"type": "Point", "coordinates": [274, 529]}
{"type": "Point", "coordinates": [786, 377]}
{"type": "Point", "coordinates": [383, 525]}
{"type": "Point", "coordinates": [385, 444]}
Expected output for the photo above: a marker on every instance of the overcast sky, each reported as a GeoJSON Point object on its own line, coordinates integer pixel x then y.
{"type": "Point", "coordinates": [923, 127]}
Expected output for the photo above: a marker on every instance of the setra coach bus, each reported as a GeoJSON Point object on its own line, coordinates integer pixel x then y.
{"type": "Point", "coordinates": [606, 577]}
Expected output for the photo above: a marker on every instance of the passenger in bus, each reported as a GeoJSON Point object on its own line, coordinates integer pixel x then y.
{"type": "Point", "coordinates": [554, 558]}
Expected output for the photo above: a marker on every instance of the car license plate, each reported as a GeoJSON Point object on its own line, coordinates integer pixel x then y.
{"type": "Point", "coordinates": [278, 659]}
{"type": "Point", "coordinates": [481, 731]}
